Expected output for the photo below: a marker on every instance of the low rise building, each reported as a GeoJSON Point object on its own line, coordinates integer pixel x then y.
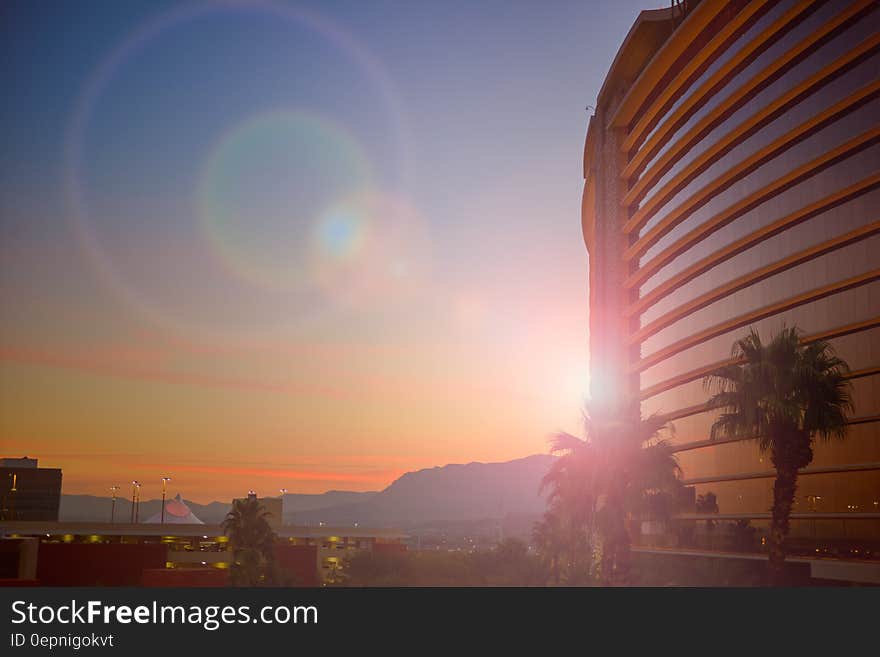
{"type": "Point", "coordinates": [27, 491]}
{"type": "Point", "coordinates": [129, 554]}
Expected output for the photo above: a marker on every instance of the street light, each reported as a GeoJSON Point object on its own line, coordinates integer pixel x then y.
{"type": "Point", "coordinates": [135, 498]}
{"type": "Point", "coordinates": [165, 481]}
{"type": "Point", "coordinates": [113, 490]}
{"type": "Point", "coordinates": [283, 491]}
{"type": "Point", "coordinates": [813, 503]}
{"type": "Point", "coordinates": [12, 496]}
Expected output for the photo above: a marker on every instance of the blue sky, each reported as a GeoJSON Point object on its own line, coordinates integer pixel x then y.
{"type": "Point", "coordinates": [172, 172]}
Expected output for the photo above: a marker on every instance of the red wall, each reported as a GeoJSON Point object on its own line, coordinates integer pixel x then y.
{"type": "Point", "coordinates": [96, 564]}
{"type": "Point", "coordinates": [301, 561]}
{"type": "Point", "coordinates": [185, 577]}
{"type": "Point", "coordinates": [19, 582]}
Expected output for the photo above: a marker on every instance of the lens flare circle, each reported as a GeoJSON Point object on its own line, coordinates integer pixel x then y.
{"type": "Point", "coordinates": [264, 186]}
{"type": "Point", "coordinates": [109, 70]}
{"type": "Point", "coordinates": [340, 234]}
{"type": "Point", "coordinates": [370, 247]}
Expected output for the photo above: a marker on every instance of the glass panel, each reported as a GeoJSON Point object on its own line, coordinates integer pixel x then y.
{"type": "Point", "coordinates": [844, 308]}
{"type": "Point", "coordinates": [838, 265]}
{"type": "Point", "coordinates": [837, 221]}
{"type": "Point", "coordinates": [842, 87]}
{"type": "Point", "coordinates": [862, 29]}
{"type": "Point", "coordinates": [759, 26]}
{"type": "Point", "coordinates": [813, 189]}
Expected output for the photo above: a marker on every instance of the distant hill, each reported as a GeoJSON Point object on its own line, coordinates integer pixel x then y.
{"type": "Point", "coordinates": [97, 509]}
{"type": "Point", "coordinates": [456, 493]}
{"type": "Point", "coordinates": [451, 493]}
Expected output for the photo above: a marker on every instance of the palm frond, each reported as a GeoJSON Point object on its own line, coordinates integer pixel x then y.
{"type": "Point", "coordinates": [778, 389]}
{"type": "Point", "coordinates": [565, 442]}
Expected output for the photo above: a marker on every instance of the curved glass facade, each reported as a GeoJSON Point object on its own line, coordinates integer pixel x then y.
{"type": "Point", "coordinates": [752, 201]}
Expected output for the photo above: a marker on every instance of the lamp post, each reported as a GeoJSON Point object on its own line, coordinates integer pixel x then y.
{"type": "Point", "coordinates": [813, 503]}
{"type": "Point", "coordinates": [113, 490]}
{"type": "Point", "coordinates": [12, 495]}
{"type": "Point", "coordinates": [165, 481]}
{"type": "Point", "coordinates": [282, 491]}
{"type": "Point", "coordinates": [135, 498]}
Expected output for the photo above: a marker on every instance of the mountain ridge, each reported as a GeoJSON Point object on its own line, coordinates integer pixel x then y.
{"type": "Point", "coordinates": [455, 492]}
{"type": "Point", "coordinates": [450, 493]}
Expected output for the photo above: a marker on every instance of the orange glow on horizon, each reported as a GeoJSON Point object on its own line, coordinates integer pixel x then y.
{"type": "Point", "coordinates": [285, 474]}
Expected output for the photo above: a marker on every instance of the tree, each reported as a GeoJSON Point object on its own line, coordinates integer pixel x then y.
{"type": "Point", "coordinates": [252, 541]}
{"type": "Point", "coordinates": [562, 542]}
{"type": "Point", "coordinates": [550, 540]}
{"type": "Point", "coordinates": [708, 503]}
{"type": "Point", "coordinates": [509, 564]}
{"type": "Point", "coordinates": [784, 395]}
{"type": "Point", "coordinates": [742, 535]}
{"type": "Point", "coordinates": [620, 470]}
{"type": "Point", "coordinates": [566, 535]}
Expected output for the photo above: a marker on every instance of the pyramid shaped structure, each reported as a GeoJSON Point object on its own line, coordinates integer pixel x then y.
{"type": "Point", "coordinates": [176, 513]}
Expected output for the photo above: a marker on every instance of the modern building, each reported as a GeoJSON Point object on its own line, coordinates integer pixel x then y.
{"type": "Point", "coordinates": [128, 554]}
{"type": "Point", "coordinates": [731, 172]}
{"type": "Point", "coordinates": [27, 491]}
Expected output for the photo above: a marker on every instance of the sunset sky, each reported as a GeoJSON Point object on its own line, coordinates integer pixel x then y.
{"type": "Point", "coordinates": [301, 245]}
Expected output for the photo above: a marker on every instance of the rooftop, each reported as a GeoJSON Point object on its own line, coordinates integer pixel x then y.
{"type": "Point", "coordinates": [37, 528]}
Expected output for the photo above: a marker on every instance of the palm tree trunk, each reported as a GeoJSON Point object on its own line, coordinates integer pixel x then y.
{"type": "Point", "coordinates": [606, 563]}
{"type": "Point", "coordinates": [783, 498]}
{"type": "Point", "coordinates": [615, 552]}
{"type": "Point", "coordinates": [623, 561]}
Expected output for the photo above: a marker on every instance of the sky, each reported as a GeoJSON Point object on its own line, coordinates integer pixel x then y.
{"type": "Point", "coordinates": [301, 245]}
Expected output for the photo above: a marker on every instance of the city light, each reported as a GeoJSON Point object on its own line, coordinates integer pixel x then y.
{"type": "Point", "coordinates": [113, 491]}
{"type": "Point", "coordinates": [135, 500]}
{"type": "Point", "coordinates": [165, 481]}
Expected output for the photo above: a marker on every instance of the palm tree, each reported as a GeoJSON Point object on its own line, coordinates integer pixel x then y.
{"type": "Point", "coordinates": [622, 468]}
{"type": "Point", "coordinates": [707, 503]}
{"type": "Point", "coordinates": [252, 541]}
{"type": "Point", "coordinates": [549, 543]}
{"type": "Point", "coordinates": [561, 541]}
{"type": "Point", "coordinates": [783, 394]}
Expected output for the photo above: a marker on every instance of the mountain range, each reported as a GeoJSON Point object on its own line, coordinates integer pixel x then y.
{"type": "Point", "coordinates": [91, 508]}
{"type": "Point", "coordinates": [445, 494]}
